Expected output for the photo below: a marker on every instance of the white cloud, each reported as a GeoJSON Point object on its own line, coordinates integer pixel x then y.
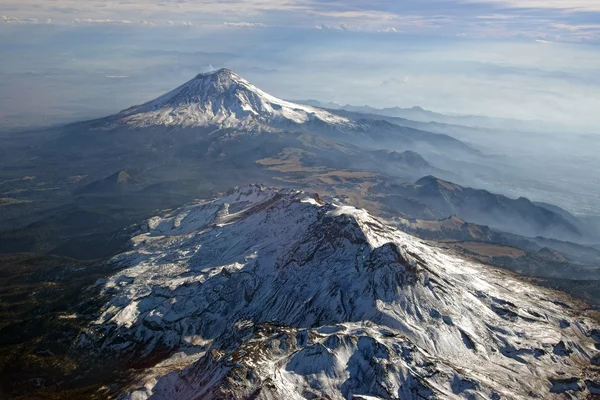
{"type": "Point", "coordinates": [340, 27]}
{"type": "Point", "coordinates": [89, 21]}
{"type": "Point", "coordinates": [473, 18]}
{"type": "Point", "coordinates": [245, 24]}
{"type": "Point", "coordinates": [180, 23]}
{"type": "Point", "coordinates": [150, 9]}
{"type": "Point", "coordinates": [577, 27]}
{"type": "Point", "coordinates": [569, 5]}
{"type": "Point", "coordinates": [15, 20]}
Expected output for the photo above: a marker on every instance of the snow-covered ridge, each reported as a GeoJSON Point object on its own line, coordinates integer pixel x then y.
{"type": "Point", "coordinates": [224, 99]}
{"type": "Point", "coordinates": [278, 294]}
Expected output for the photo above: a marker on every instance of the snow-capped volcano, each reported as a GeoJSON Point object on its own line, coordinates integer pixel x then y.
{"type": "Point", "coordinates": [222, 98]}
{"type": "Point", "coordinates": [270, 294]}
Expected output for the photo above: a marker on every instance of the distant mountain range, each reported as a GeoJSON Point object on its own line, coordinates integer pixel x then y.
{"type": "Point", "coordinates": [419, 114]}
{"type": "Point", "coordinates": [434, 198]}
{"type": "Point", "coordinates": [456, 229]}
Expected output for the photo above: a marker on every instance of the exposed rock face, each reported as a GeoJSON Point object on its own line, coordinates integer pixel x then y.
{"type": "Point", "coordinates": [276, 294]}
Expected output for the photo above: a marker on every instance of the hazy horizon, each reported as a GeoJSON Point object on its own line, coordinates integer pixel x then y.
{"type": "Point", "coordinates": [488, 58]}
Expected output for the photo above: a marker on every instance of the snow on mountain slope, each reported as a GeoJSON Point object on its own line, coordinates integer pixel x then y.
{"type": "Point", "coordinates": [278, 295]}
{"type": "Point", "coordinates": [222, 98]}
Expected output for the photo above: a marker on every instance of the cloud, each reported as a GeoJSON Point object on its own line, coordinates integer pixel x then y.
{"type": "Point", "coordinates": [245, 24]}
{"type": "Point", "coordinates": [355, 14]}
{"type": "Point", "coordinates": [567, 5]}
{"type": "Point", "coordinates": [180, 23]}
{"type": "Point", "coordinates": [150, 9]}
{"type": "Point", "coordinates": [89, 21]}
{"type": "Point", "coordinates": [208, 68]}
{"type": "Point", "coordinates": [14, 20]}
{"type": "Point", "coordinates": [340, 27]}
{"type": "Point", "coordinates": [577, 27]}
{"type": "Point", "coordinates": [563, 20]}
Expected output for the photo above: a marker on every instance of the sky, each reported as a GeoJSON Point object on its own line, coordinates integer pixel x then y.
{"type": "Point", "coordinates": [64, 60]}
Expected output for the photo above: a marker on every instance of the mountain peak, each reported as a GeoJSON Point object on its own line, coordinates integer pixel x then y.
{"type": "Point", "coordinates": [223, 99]}
{"type": "Point", "coordinates": [287, 291]}
{"type": "Point", "coordinates": [427, 180]}
{"type": "Point", "coordinates": [223, 75]}
{"type": "Point", "coordinates": [221, 72]}
{"type": "Point", "coordinates": [120, 181]}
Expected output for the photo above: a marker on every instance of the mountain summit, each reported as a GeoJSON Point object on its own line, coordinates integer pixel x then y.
{"type": "Point", "coordinates": [225, 99]}
{"type": "Point", "coordinates": [278, 294]}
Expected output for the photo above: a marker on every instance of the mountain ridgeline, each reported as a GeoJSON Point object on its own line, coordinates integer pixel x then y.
{"type": "Point", "coordinates": [440, 199]}
{"type": "Point", "coordinates": [279, 294]}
